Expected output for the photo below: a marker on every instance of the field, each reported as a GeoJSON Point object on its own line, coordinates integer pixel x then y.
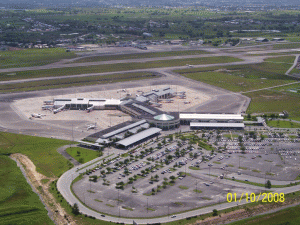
{"type": "Point", "coordinates": [244, 78]}
{"type": "Point", "coordinates": [114, 67]}
{"type": "Point", "coordinates": [18, 203]}
{"type": "Point", "coordinates": [274, 101]}
{"type": "Point", "coordinates": [283, 124]}
{"type": "Point", "coordinates": [41, 151]}
{"type": "Point", "coordinates": [284, 46]}
{"type": "Point", "coordinates": [139, 56]}
{"type": "Point", "coordinates": [290, 216]}
{"type": "Point", "coordinates": [84, 155]}
{"type": "Point", "coordinates": [76, 81]}
{"type": "Point", "coordinates": [33, 57]}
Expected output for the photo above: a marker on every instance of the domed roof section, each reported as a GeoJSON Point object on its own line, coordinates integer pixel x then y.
{"type": "Point", "coordinates": [164, 117]}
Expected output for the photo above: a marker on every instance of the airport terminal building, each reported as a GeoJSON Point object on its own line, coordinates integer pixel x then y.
{"type": "Point", "coordinates": [147, 119]}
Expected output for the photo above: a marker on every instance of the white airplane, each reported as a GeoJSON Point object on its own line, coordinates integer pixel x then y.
{"type": "Point", "coordinates": [35, 115]}
{"type": "Point", "coordinates": [92, 126]}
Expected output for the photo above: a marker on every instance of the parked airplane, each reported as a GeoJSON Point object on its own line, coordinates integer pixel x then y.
{"type": "Point", "coordinates": [35, 115]}
{"type": "Point", "coordinates": [92, 126]}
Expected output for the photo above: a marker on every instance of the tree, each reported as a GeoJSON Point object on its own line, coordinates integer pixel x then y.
{"type": "Point", "coordinates": [93, 178]}
{"type": "Point", "coordinates": [81, 160]}
{"type": "Point", "coordinates": [268, 184]}
{"type": "Point", "coordinates": [215, 212]}
{"type": "Point", "coordinates": [75, 209]}
{"type": "Point", "coordinates": [173, 179]}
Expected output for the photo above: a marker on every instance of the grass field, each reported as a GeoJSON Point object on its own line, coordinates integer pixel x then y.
{"type": "Point", "coordinates": [18, 203]}
{"type": "Point", "coordinates": [72, 82]}
{"type": "Point", "coordinates": [289, 216]}
{"type": "Point", "coordinates": [84, 155]}
{"type": "Point", "coordinates": [274, 100]}
{"type": "Point", "coordinates": [239, 78]}
{"type": "Point", "coordinates": [282, 124]}
{"type": "Point", "coordinates": [41, 151]}
{"type": "Point", "coordinates": [139, 56]}
{"type": "Point", "coordinates": [33, 57]}
{"type": "Point", "coordinates": [288, 45]}
{"type": "Point", "coordinates": [113, 67]}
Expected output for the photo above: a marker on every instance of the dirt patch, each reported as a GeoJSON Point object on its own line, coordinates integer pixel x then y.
{"type": "Point", "coordinates": [43, 189]}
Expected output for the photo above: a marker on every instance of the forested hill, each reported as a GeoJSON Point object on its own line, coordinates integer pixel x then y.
{"type": "Point", "coordinates": [262, 4]}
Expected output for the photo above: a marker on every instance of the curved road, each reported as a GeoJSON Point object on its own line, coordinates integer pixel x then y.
{"type": "Point", "coordinates": [64, 186]}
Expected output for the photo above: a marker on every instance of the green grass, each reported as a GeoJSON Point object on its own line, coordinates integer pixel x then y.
{"type": "Point", "coordinates": [127, 208]}
{"type": "Point", "coordinates": [216, 162]}
{"type": "Point", "coordinates": [288, 45]}
{"type": "Point", "coordinates": [97, 200]}
{"type": "Point", "coordinates": [240, 78]}
{"type": "Point", "coordinates": [194, 168]}
{"type": "Point", "coordinates": [230, 165]}
{"type": "Point", "coordinates": [282, 124]}
{"type": "Point", "coordinates": [33, 57]}
{"type": "Point", "coordinates": [114, 67]}
{"type": "Point", "coordinates": [44, 181]}
{"type": "Point", "coordinates": [139, 56]}
{"type": "Point", "coordinates": [274, 101]}
{"type": "Point", "coordinates": [85, 155]}
{"type": "Point", "coordinates": [256, 171]}
{"type": "Point", "coordinates": [41, 151]}
{"type": "Point", "coordinates": [151, 209]}
{"type": "Point", "coordinates": [183, 187]}
{"type": "Point", "coordinates": [109, 205]}
{"type": "Point", "coordinates": [18, 203]}
{"type": "Point", "coordinates": [205, 146]}
{"type": "Point", "coordinates": [74, 82]}
{"type": "Point", "coordinates": [178, 203]}
{"type": "Point", "coordinates": [197, 191]}
{"type": "Point", "coordinates": [243, 168]}
{"type": "Point", "coordinates": [289, 216]}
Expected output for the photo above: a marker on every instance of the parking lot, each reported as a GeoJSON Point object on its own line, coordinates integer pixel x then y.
{"type": "Point", "coordinates": [150, 180]}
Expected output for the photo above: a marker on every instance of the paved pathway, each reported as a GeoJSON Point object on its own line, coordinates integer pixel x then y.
{"type": "Point", "coordinates": [62, 151]}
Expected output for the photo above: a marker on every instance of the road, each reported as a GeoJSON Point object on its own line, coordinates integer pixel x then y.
{"type": "Point", "coordinates": [293, 66]}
